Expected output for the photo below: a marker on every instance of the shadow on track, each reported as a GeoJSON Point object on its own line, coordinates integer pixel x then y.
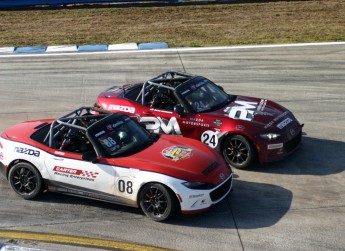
{"type": "Point", "coordinates": [253, 205]}
{"type": "Point", "coordinates": [315, 157]}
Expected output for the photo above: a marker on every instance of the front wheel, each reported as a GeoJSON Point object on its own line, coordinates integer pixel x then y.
{"type": "Point", "coordinates": [25, 180]}
{"type": "Point", "coordinates": [157, 202]}
{"type": "Point", "coordinates": [238, 151]}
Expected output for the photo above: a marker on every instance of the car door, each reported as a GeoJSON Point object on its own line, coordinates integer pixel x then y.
{"type": "Point", "coordinates": [169, 122]}
{"type": "Point", "coordinates": [68, 169]}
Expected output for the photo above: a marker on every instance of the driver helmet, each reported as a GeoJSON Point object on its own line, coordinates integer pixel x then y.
{"type": "Point", "coordinates": [124, 137]}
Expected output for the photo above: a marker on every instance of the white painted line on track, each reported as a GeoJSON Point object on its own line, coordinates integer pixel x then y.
{"type": "Point", "coordinates": [173, 49]}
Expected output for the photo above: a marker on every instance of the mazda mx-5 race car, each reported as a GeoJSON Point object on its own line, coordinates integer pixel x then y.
{"type": "Point", "coordinates": [242, 128]}
{"type": "Point", "coordinates": [111, 157]}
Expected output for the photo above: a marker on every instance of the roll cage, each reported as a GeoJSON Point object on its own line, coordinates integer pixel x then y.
{"type": "Point", "coordinates": [182, 93]}
{"type": "Point", "coordinates": [164, 83]}
{"type": "Point", "coordinates": [69, 132]}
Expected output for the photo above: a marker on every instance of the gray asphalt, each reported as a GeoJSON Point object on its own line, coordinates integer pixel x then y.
{"type": "Point", "coordinates": [295, 204]}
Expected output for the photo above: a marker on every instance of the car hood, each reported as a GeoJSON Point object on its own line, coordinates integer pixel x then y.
{"type": "Point", "coordinates": [182, 158]}
{"type": "Point", "coordinates": [251, 110]}
{"type": "Point", "coordinates": [22, 131]}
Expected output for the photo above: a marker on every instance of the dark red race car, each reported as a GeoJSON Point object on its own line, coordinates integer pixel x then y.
{"type": "Point", "coordinates": [243, 129]}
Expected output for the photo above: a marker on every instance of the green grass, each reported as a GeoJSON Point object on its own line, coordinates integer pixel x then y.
{"type": "Point", "coordinates": [256, 22]}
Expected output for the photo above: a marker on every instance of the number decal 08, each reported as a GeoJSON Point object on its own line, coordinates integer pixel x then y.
{"type": "Point", "coordinates": [125, 186]}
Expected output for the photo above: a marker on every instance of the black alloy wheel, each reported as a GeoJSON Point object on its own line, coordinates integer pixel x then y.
{"type": "Point", "coordinates": [238, 151]}
{"type": "Point", "coordinates": [25, 180]}
{"type": "Point", "coordinates": [157, 202]}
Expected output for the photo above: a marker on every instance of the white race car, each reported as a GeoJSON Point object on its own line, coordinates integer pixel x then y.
{"type": "Point", "coordinates": [110, 157]}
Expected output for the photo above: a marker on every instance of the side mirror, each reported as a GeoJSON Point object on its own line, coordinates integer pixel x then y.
{"type": "Point", "coordinates": [180, 110]}
{"type": "Point", "coordinates": [89, 156]}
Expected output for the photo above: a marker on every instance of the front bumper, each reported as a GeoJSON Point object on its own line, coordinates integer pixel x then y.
{"type": "Point", "coordinates": [278, 150]}
{"type": "Point", "coordinates": [202, 200]}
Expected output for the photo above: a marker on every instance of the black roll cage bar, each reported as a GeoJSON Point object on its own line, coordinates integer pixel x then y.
{"type": "Point", "coordinates": [169, 80]}
{"type": "Point", "coordinates": [70, 121]}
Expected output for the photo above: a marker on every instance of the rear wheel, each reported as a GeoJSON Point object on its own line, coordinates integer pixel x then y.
{"type": "Point", "coordinates": [25, 180]}
{"type": "Point", "coordinates": [157, 202]}
{"type": "Point", "coordinates": [238, 151]}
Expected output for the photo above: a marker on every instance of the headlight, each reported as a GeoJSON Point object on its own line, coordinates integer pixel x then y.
{"type": "Point", "coordinates": [269, 136]}
{"type": "Point", "coordinates": [198, 185]}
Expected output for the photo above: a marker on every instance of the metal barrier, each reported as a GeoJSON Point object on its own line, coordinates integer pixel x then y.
{"type": "Point", "coordinates": [27, 3]}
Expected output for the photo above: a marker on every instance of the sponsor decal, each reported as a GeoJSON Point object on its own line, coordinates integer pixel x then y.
{"type": "Point", "coordinates": [199, 84]}
{"type": "Point", "coordinates": [160, 125]}
{"type": "Point", "coordinates": [284, 123]}
{"type": "Point", "coordinates": [240, 127]}
{"type": "Point", "coordinates": [99, 133]}
{"type": "Point", "coordinates": [217, 122]}
{"type": "Point", "coordinates": [280, 116]}
{"type": "Point", "coordinates": [196, 196]}
{"type": "Point", "coordinates": [200, 120]}
{"type": "Point", "coordinates": [262, 105]}
{"type": "Point", "coordinates": [244, 110]}
{"type": "Point", "coordinates": [185, 92]}
{"type": "Point", "coordinates": [75, 173]}
{"type": "Point", "coordinates": [121, 108]}
{"type": "Point", "coordinates": [263, 113]}
{"type": "Point", "coordinates": [59, 153]}
{"type": "Point", "coordinates": [195, 123]}
{"type": "Point", "coordinates": [113, 126]}
{"type": "Point", "coordinates": [27, 151]}
{"type": "Point", "coordinates": [275, 119]}
{"type": "Point", "coordinates": [176, 153]}
{"type": "Point", "coordinates": [209, 138]}
{"type": "Point", "coordinates": [275, 146]}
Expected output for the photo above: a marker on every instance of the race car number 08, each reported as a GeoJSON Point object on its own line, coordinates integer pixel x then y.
{"type": "Point", "coordinates": [109, 142]}
{"type": "Point", "coordinates": [209, 138]}
{"type": "Point", "coordinates": [125, 186]}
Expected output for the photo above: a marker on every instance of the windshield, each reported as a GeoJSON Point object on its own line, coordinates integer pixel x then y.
{"type": "Point", "coordinates": [121, 137]}
{"type": "Point", "coordinates": [203, 95]}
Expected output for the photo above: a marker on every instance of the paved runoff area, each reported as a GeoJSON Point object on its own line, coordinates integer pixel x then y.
{"type": "Point", "coordinates": [294, 204]}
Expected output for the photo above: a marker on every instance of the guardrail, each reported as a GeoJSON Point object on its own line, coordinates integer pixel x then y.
{"type": "Point", "coordinates": [4, 4]}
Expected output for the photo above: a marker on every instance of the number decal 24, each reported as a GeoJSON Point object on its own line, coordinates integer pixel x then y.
{"type": "Point", "coordinates": [209, 138]}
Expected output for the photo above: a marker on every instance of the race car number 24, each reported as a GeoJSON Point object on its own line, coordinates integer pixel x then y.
{"type": "Point", "coordinates": [209, 138]}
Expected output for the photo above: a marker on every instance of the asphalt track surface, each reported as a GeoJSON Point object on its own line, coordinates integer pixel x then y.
{"type": "Point", "coordinates": [295, 204]}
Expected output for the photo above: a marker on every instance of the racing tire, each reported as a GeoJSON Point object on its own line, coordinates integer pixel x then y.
{"type": "Point", "coordinates": [238, 151]}
{"type": "Point", "coordinates": [157, 202]}
{"type": "Point", "coordinates": [25, 180]}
